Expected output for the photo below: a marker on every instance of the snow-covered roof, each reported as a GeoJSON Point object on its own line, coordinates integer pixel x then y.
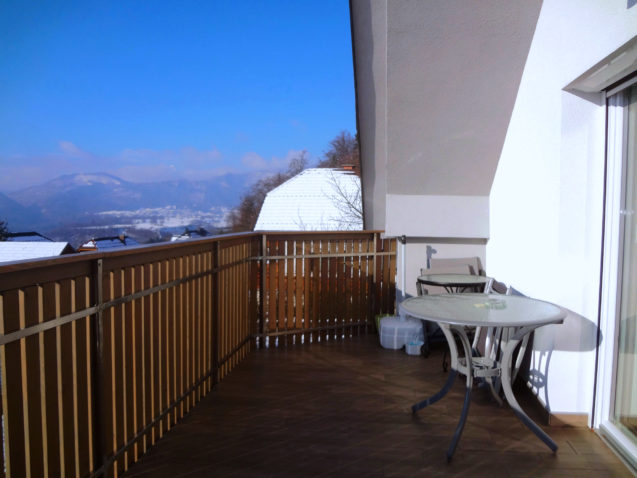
{"type": "Point", "coordinates": [18, 251]}
{"type": "Point", "coordinates": [112, 242]}
{"type": "Point", "coordinates": [317, 199]}
{"type": "Point", "coordinates": [190, 234]}
{"type": "Point", "coordinates": [27, 237]}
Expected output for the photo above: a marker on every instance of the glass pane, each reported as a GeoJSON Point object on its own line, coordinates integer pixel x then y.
{"type": "Point", "coordinates": [625, 410]}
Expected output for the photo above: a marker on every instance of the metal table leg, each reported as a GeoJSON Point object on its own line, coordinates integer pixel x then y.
{"type": "Point", "coordinates": [508, 392]}
{"type": "Point", "coordinates": [437, 396]}
{"type": "Point", "coordinates": [466, 369]}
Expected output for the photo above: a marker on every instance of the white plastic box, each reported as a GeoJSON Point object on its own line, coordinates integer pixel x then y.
{"type": "Point", "coordinates": [414, 347]}
{"type": "Point", "coordinates": [395, 332]}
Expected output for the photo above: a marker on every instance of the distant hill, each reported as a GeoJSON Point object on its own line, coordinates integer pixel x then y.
{"type": "Point", "coordinates": [81, 193]}
{"type": "Point", "coordinates": [16, 215]}
{"type": "Point", "coordinates": [76, 198]}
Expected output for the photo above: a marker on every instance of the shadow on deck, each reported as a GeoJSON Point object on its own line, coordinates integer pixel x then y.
{"type": "Point", "coordinates": [343, 409]}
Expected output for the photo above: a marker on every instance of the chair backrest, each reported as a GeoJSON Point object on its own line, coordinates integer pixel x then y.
{"type": "Point", "coordinates": [450, 269]}
{"type": "Point", "coordinates": [514, 291]}
{"type": "Point", "coordinates": [473, 263]}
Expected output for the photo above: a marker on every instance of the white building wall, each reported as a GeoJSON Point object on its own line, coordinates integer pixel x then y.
{"type": "Point", "coordinates": [547, 196]}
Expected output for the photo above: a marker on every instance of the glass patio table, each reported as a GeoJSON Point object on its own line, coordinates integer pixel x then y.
{"type": "Point", "coordinates": [454, 313]}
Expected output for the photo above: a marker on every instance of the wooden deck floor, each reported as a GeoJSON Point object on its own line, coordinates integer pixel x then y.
{"type": "Point", "coordinates": [342, 409]}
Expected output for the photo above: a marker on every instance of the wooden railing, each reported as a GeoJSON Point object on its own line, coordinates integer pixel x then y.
{"type": "Point", "coordinates": [102, 353]}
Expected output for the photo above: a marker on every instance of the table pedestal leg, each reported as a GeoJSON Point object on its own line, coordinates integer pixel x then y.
{"type": "Point", "coordinates": [437, 396]}
{"type": "Point", "coordinates": [465, 369]}
{"type": "Point", "coordinates": [463, 419]}
{"type": "Point", "coordinates": [508, 392]}
{"type": "Point", "coordinates": [456, 367]}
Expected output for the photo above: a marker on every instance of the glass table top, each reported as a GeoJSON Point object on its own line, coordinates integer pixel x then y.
{"type": "Point", "coordinates": [485, 310]}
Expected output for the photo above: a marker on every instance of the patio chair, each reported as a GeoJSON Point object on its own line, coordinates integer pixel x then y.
{"type": "Point", "coordinates": [442, 269]}
{"type": "Point", "coordinates": [474, 264]}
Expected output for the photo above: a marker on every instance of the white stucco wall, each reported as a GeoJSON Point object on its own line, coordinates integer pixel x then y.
{"type": "Point", "coordinates": [547, 196]}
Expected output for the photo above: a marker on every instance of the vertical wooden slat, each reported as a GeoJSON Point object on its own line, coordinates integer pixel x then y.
{"type": "Point", "coordinates": [333, 297]}
{"type": "Point", "coordinates": [175, 324]}
{"type": "Point", "coordinates": [206, 320]}
{"type": "Point", "coordinates": [82, 380]}
{"type": "Point", "coordinates": [29, 315]}
{"type": "Point", "coordinates": [290, 279]}
{"type": "Point", "coordinates": [270, 293]}
{"type": "Point", "coordinates": [308, 268]}
{"type": "Point", "coordinates": [349, 287]}
{"type": "Point", "coordinates": [6, 437]}
{"type": "Point", "coordinates": [200, 319]}
{"type": "Point", "coordinates": [167, 350]}
{"type": "Point", "coordinates": [106, 362]}
{"type": "Point", "coordinates": [323, 292]}
{"type": "Point", "coordinates": [67, 293]}
{"type": "Point", "coordinates": [316, 289]}
{"type": "Point", "coordinates": [160, 350]}
{"type": "Point", "coordinates": [43, 401]}
{"type": "Point", "coordinates": [214, 326]}
{"type": "Point", "coordinates": [280, 248]}
{"type": "Point", "coordinates": [143, 352]}
{"type": "Point", "coordinates": [151, 351]}
{"type": "Point", "coordinates": [24, 387]}
{"type": "Point", "coordinates": [182, 347]}
{"type": "Point", "coordinates": [60, 386]}
{"type": "Point", "coordinates": [75, 399]}
{"type": "Point", "coordinates": [124, 343]}
{"type": "Point", "coordinates": [190, 329]}
{"type": "Point", "coordinates": [88, 404]}
{"type": "Point", "coordinates": [354, 282]}
{"type": "Point", "coordinates": [341, 313]}
{"type": "Point", "coordinates": [136, 362]}
{"type": "Point", "coordinates": [299, 284]}
{"type": "Point", "coordinates": [113, 338]}
{"type": "Point", "coordinates": [187, 332]}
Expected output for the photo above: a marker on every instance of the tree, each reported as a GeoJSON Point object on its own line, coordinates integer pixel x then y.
{"type": "Point", "coordinates": [245, 215]}
{"type": "Point", "coordinates": [4, 230]}
{"type": "Point", "coordinates": [348, 201]}
{"type": "Point", "coordinates": [343, 152]}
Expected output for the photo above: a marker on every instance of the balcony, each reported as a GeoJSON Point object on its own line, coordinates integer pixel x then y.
{"type": "Point", "coordinates": [102, 354]}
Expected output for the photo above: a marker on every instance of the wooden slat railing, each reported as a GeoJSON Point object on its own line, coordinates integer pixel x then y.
{"type": "Point", "coordinates": [326, 284]}
{"type": "Point", "coordinates": [102, 353]}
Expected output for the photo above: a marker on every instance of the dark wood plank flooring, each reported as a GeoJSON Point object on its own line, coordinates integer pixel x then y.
{"type": "Point", "coordinates": [342, 409]}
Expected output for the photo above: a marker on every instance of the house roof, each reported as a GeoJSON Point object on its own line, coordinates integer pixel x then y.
{"type": "Point", "coordinates": [315, 199]}
{"type": "Point", "coordinates": [27, 237]}
{"type": "Point", "coordinates": [190, 234]}
{"type": "Point", "coordinates": [18, 251]}
{"type": "Point", "coordinates": [105, 243]}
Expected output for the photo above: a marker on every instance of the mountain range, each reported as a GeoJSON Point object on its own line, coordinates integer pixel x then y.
{"type": "Point", "coordinates": [77, 198]}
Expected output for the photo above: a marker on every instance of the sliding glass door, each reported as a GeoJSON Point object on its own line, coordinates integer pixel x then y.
{"type": "Point", "coordinates": [624, 405]}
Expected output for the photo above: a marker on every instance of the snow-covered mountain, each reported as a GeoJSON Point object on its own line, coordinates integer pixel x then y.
{"type": "Point", "coordinates": [77, 200]}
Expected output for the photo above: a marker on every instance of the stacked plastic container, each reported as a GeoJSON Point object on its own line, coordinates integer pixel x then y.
{"type": "Point", "coordinates": [397, 332]}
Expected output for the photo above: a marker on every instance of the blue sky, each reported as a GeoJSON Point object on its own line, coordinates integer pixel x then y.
{"type": "Point", "coordinates": [155, 90]}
